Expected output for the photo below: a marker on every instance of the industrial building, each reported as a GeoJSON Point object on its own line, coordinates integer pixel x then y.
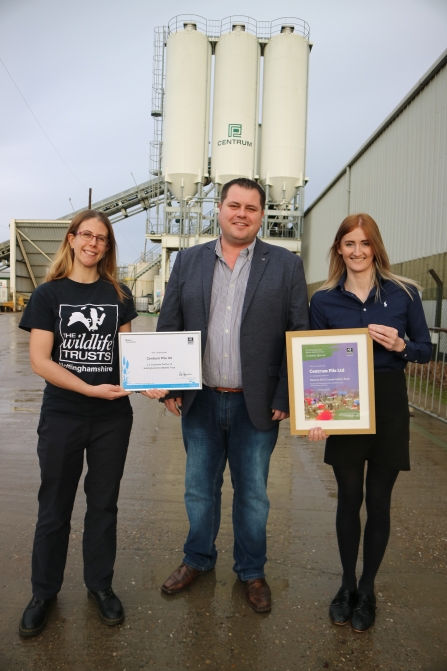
{"type": "Point", "coordinates": [399, 177]}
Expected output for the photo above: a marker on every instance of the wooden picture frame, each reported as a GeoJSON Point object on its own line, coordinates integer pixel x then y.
{"type": "Point", "coordinates": [331, 381]}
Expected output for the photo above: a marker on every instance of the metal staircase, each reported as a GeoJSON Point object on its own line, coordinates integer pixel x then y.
{"type": "Point", "coordinates": [144, 263]}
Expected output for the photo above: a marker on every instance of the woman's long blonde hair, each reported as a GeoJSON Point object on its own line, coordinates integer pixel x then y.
{"type": "Point", "coordinates": [63, 261]}
{"type": "Point", "coordinates": [381, 263]}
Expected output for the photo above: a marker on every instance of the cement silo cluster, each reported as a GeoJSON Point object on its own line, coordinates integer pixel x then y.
{"type": "Point", "coordinates": [186, 111]}
{"type": "Point", "coordinates": [232, 101]}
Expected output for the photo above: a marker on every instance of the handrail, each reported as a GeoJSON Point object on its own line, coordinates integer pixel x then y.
{"type": "Point", "coordinates": [143, 263]}
{"type": "Point", "coordinates": [427, 383]}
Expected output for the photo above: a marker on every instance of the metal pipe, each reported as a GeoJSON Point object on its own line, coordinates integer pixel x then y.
{"type": "Point", "coordinates": [165, 217]}
{"type": "Point", "coordinates": [163, 272]}
{"type": "Point", "coordinates": [256, 128]}
{"type": "Point", "coordinates": [266, 210]}
{"type": "Point", "coordinates": [200, 197]}
{"type": "Point", "coordinates": [216, 202]}
{"type": "Point", "coordinates": [182, 223]}
{"type": "Point", "coordinates": [441, 385]}
{"type": "Point", "coordinates": [348, 190]}
{"type": "Point", "coordinates": [13, 262]}
{"type": "Point", "coordinates": [439, 292]}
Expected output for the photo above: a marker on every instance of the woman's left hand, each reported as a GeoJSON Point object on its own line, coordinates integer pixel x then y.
{"type": "Point", "coordinates": [155, 393]}
{"type": "Point", "coordinates": [387, 336]}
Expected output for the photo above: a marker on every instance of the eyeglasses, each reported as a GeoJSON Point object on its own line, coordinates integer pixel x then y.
{"type": "Point", "coordinates": [101, 240]}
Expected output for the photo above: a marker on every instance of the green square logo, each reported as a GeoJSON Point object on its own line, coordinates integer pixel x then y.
{"type": "Point", "coordinates": [234, 130]}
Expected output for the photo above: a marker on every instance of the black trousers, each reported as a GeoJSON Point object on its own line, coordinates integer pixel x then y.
{"type": "Point", "coordinates": [61, 446]}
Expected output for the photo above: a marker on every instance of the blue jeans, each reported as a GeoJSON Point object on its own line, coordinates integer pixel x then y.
{"type": "Point", "coordinates": [216, 428]}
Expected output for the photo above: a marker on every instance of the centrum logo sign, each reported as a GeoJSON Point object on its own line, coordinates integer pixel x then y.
{"type": "Point", "coordinates": [234, 130]}
{"type": "Point", "coordinates": [235, 133]}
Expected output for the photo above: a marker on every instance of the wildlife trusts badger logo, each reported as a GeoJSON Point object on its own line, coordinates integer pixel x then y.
{"type": "Point", "coordinates": [91, 322]}
{"type": "Point", "coordinates": [87, 333]}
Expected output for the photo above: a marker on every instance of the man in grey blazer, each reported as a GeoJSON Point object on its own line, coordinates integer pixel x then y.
{"type": "Point", "coordinates": [243, 295]}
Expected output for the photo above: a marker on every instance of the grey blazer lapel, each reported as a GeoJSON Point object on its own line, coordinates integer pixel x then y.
{"type": "Point", "coordinates": [209, 261]}
{"type": "Point", "coordinates": [258, 265]}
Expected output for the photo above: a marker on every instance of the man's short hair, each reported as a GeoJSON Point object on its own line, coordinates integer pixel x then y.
{"type": "Point", "coordinates": [244, 183]}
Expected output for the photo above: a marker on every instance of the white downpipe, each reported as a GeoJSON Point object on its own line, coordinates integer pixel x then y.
{"type": "Point", "coordinates": [13, 262]}
{"type": "Point", "coordinates": [163, 272]}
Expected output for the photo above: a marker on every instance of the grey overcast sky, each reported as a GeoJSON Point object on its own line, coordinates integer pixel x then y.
{"type": "Point", "coordinates": [85, 69]}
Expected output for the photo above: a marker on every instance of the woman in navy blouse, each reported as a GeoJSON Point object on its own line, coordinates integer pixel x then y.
{"type": "Point", "coordinates": [362, 292]}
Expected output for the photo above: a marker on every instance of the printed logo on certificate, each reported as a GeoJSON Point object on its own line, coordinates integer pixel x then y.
{"type": "Point", "coordinates": [331, 381]}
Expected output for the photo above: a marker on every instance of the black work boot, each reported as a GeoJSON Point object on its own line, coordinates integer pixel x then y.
{"type": "Point", "coordinates": [35, 617]}
{"type": "Point", "coordinates": [110, 608]}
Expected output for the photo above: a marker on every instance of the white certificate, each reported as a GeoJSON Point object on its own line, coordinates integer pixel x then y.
{"type": "Point", "coordinates": [160, 360]}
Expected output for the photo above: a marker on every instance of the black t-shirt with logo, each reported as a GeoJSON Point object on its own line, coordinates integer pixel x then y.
{"type": "Point", "coordinates": [85, 320]}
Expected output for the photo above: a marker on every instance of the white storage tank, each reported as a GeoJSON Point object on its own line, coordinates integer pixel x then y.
{"type": "Point", "coordinates": [186, 111]}
{"type": "Point", "coordinates": [4, 290]}
{"type": "Point", "coordinates": [235, 107]}
{"type": "Point", "coordinates": [284, 111]}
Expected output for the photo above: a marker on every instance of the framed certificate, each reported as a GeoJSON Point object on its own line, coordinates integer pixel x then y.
{"type": "Point", "coordinates": [160, 360]}
{"type": "Point", "coordinates": [331, 381]}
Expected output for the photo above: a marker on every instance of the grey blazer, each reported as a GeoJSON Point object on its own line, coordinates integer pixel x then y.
{"type": "Point", "coordinates": [275, 302]}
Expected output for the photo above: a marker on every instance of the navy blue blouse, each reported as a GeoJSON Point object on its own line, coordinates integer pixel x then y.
{"type": "Point", "coordinates": [340, 309]}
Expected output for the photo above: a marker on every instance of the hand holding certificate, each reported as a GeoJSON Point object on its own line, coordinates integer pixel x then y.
{"type": "Point", "coordinates": [160, 360]}
{"type": "Point", "coordinates": [331, 382]}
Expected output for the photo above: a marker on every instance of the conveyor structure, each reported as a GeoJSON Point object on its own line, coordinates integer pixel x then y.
{"type": "Point", "coordinates": [189, 168]}
{"type": "Point", "coordinates": [36, 241]}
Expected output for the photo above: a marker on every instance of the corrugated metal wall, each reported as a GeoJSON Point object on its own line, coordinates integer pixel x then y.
{"type": "Point", "coordinates": [400, 180]}
{"type": "Point", "coordinates": [320, 226]}
{"type": "Point", "coordinates": [39, 241]}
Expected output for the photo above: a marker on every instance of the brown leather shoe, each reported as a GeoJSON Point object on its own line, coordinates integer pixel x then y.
{"type": "Point", "coordinates": [258, 595]}
{"type": "Point", "coordinates": [181, 578]}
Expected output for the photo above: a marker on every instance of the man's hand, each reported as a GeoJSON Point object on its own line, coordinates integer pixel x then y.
{"type": "Point", "coordinates": [279, 415]}
{"type": "Point", "coordinates": [155, 393]}
{"type": "Point", "coordinates": [174, 405]}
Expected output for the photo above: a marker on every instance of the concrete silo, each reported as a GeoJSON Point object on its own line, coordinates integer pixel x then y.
{"type": "Point", "coordinates": [284, 112]}
{"type": "Point", "coordinates": [186, 111]}
{"type": "Point", "coordinates": [235, 105]}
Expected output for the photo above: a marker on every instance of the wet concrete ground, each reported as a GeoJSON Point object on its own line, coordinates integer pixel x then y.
{"type": "Point", "coordinates": [210, 626]}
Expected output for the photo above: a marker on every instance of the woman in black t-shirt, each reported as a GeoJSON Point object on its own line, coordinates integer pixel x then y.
{"type": "Point", "coordinates": [74, 318]}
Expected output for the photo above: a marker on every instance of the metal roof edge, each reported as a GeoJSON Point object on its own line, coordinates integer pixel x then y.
{"type": "Point", "coordinates": [59, 222]}
{"type": "Point", "coordinates": [417, 88]}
